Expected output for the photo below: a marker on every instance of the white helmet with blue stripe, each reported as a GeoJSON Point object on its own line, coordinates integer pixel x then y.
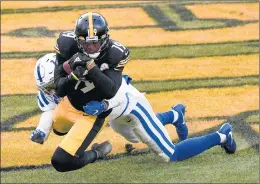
{"type": "Point", "coordinates": [44, 74]}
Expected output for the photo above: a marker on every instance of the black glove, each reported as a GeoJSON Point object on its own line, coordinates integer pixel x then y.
{"type": "Point", "coordinates": [78, 74]}
{"type": "Point", "coordinates": [79, 59]}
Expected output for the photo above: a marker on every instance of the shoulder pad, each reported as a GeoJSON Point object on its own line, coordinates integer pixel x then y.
{"type": "Point", "coordinates": [43, 102]}
{"type": "Point", "coordinates": [66, 45]}
{"type": "Point", "coordinates": [118, 56]}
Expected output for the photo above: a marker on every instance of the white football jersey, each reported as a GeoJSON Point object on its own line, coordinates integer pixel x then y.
{"type": "Point", "coordinates": [125, 99]}
{"type": "Point", "coordinates": [44, 102]}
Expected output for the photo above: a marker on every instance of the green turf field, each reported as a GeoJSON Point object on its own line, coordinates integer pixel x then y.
{"type": "Point", "coordinates": [210, 167]}
{"type": "Point", "coordinates": [202, 54]}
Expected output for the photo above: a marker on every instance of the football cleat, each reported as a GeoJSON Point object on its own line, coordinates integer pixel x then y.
{"type": "Point", "coordinates": [102, 149]}
{"type": "Point", "coordinates": [229, 145]}
{"type": "Point", "coordinates": [37, 136]}
{"type": "Point", "coordinates": [180, 124]}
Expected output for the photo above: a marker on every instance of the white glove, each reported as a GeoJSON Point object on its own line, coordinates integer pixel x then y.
{"type": "Point", "coordinates": [37, 136]}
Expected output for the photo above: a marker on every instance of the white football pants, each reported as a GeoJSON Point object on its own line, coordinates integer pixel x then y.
{"type": "Point", "coordinates": [141, 124]}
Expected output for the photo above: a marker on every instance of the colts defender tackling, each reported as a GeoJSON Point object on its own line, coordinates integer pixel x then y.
{"type": "Point", "coordinates": [88, 74]}
{"type": "Point", "coordinates": [48, 101]}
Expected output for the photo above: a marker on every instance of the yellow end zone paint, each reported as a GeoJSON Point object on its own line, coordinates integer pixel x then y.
{"type": "Point", "coordinates": [145, 37]}
{"type": "Point", "coordinates": [17, 76]}
{"type": "Point", "coordinates": [20, 151]}
{"type": "Point", "coordinates": [239, 11]}
{"type": "Point", "coordinates": [42, 4]}
{"type": "Point", "coordinates": [157, 36]}
{"type": "Point", "coordinates": [175, 68]}
{"type": "Point", "coordinates": [208, 102]}
{"type": "Point", "coordinates": [202, 67]}
{"type": "Point", "coordinates": [31, 122]}
{"type": "Point", "coordinates": [14, 44]}
{"type": "Point", "coordinates": [65, 20]}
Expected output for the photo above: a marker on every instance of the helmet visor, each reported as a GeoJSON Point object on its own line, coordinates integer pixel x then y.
{"type": "Point", "coordinates": [91, 46]}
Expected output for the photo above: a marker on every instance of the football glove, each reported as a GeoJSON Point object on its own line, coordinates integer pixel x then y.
{"type": "Point", "coordinates": [95, 108]}
{"type": "Point", "coordinates": [78, 74]}
{"type": "Point", "coordinates": [79, 59]}
{"type": "Point", "coordinates": [37, 136]}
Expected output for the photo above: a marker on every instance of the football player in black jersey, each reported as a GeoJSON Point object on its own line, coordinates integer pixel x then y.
{"type": "Point", "coordinates": [89, 67]}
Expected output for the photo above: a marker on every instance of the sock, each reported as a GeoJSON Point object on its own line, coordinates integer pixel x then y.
{"type": "Point", "coordinates": [63, 161]}
{"type": "Point", "coordinates": [168, 117]}
{"type": "Point", "coordinates": [194, 146]}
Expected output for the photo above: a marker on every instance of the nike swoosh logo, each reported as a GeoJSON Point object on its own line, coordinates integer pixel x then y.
{"type": "Point", "coordinates": [183, 118]}
{"type": "Point", "coordinates": [95, 112]}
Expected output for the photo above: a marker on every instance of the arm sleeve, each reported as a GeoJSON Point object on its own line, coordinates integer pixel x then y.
{"type": "Point", "coordinates": [108, 82]}
{"type": "Point", "coordinates": [44, 103]}
{"type": "Point", "coordinates": [62, 83]}
{"type": "Point", "coordinates": [45, 123]}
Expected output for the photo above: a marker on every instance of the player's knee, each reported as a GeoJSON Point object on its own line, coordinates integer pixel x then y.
{"type": "Point", "coordinates": [61, 160]}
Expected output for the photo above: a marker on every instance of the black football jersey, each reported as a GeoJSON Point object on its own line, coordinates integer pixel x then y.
{"type": "Point", "coordinates": [104, 78]}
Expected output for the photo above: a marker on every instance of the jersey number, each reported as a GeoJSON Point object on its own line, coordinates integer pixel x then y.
{"type": "Point", "coordinates": [88, 86]}
{"type": "Point", "coordinates": [119, 46]}
{"type": "Point", "coordinates": [69, 34]}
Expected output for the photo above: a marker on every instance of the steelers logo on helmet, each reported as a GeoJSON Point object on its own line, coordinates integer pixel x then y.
{"type": "Point", "coordinates": [92, 36]}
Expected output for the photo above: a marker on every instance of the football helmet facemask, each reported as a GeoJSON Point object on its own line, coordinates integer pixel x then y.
{"type": "Point", "coordinates": [91, 32]}
{"type": "Point", "coordinates": [44, 76]}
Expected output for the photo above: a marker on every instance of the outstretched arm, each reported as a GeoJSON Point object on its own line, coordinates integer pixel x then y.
{"type": "Point", "coordinates": [41, 133]}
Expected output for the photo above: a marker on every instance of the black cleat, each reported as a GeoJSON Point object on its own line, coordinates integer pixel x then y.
{"type": "Point", "coordinates": [102, 149]}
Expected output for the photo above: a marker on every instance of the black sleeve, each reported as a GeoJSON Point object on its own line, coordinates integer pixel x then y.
{"type": "Point", "coordinates": [66, 46]}
{"type": "Point", "coordinates": [108, 82]}
{"type": "Point", "coordinates": [60, 59]}
{"type": "Point", "coordinates": [62, 83]}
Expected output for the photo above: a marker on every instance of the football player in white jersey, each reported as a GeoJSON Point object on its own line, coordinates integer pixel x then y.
{"type": "Point", "coordinates": [46, 98]}
{"type": "Point", "coordinates": [59, 115]}
{"type": "Point", "coordinates": [133, 117]}
{"type": "Point", "coordinates": [47, 101]}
